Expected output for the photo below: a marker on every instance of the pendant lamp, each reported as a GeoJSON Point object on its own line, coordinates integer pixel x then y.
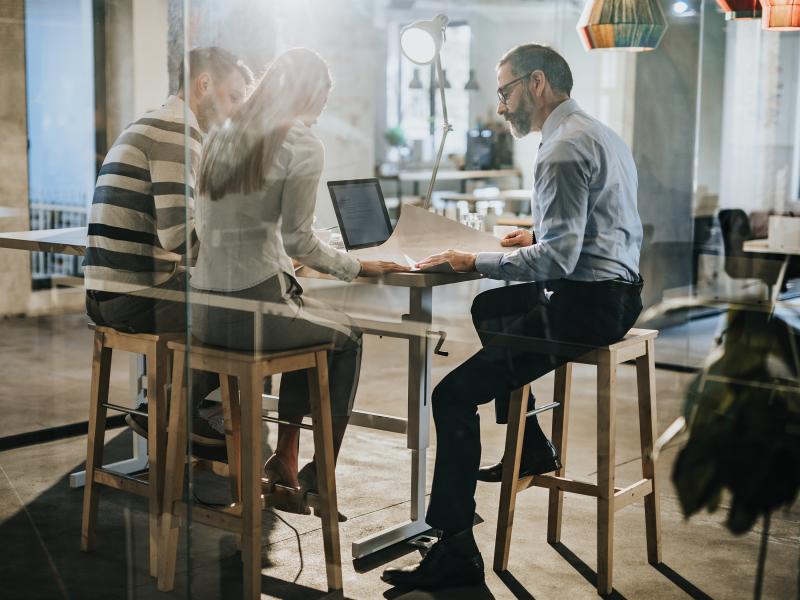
{"type": "Point", "coordinates": [740, 9]}
{"type": "Point", "coordinates": [635, 25]}
{"type": "Point", "coordinates": [781, 15]}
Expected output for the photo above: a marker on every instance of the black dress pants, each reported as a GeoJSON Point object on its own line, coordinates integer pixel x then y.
{"type": "Point", "coordinates": [526, 332]}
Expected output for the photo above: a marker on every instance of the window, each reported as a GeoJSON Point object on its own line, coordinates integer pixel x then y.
{"type": "Point", "coordinates": [418, 111]}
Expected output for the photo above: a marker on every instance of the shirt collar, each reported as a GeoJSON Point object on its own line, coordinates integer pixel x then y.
{"type": "Point", "coordinates": [178, 107]}
{"type": "Point", "coordinates": [554, 119]}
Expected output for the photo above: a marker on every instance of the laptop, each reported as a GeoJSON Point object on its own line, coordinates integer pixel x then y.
{"type": "Point", "coordinates": [361, 212]}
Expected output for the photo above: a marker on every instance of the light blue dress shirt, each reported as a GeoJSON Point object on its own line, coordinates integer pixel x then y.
{"type": "Point", "coordinates": [586, 223]}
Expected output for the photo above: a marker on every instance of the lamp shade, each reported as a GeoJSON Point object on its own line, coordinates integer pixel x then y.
{"type": "Point", "coordinates": [421, 41]}
{"type": "Point", "coordinates": [740, 9]}
{"type": "Point", "coordinates": [472, 82]}
{"type": "Point", "coordinates": [416, 82]}
{"type": "Point", "coordinates": [635, 25]}
{"type": "Point", "coordinates": [781, 15]}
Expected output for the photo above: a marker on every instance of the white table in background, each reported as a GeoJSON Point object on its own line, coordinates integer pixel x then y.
{"type": "Point", "coordinates": [762, 246]}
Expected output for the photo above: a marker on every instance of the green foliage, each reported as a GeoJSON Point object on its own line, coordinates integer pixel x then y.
{"type": "Point", "coordinates": [395, 136]}
{"type": "Point", "coordinates": [743, 414]}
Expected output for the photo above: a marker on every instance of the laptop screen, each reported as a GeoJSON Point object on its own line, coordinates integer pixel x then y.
{"type": "Point", "coordinates": [361, 212]}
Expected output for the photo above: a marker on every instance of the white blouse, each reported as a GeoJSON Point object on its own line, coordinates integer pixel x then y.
{"type": "Point", "coordinates": [248, 238]}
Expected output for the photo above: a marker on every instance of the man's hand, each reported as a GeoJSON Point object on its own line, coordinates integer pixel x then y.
{"type": "Point", "coordinates": [463, 262]}
{"type": "Point", "coordinates": [379, 267]}
{"type": "Point", "coordinates": [519, 237]}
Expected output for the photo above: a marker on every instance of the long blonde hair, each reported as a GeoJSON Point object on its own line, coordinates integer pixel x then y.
{"type": "Point", "coordinates": [239, 154]}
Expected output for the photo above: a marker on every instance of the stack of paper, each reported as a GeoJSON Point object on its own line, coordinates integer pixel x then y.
{"type": "Point", "coordinates": [420, 233]}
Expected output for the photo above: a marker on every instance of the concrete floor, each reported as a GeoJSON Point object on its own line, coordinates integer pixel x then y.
{"type": "Point", "coordinates": [44, 367]}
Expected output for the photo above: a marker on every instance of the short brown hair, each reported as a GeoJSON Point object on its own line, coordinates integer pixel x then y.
{"type": "Point", "coordinates": [216, 61]}
{"type": "Point", "coordinates": [527, 58]}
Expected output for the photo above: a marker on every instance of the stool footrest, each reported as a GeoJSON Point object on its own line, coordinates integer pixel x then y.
{"type": "Point", "coordinates": [554, 482]}
{"type": "Point", "coordinates": [636, 491]}
{"type": "Point", "coordinates": [288, 423]}
{"type": "Point", "coordinates": [542, 409]}
{"type": "Point", "coordinates": [124, 409]}
{"type": "Point", "coordinates": [229, 518]}
{"type": "Point", "coordinates": [120, 481]}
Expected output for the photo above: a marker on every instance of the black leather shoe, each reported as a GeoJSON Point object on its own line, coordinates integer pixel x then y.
{"type": "Point", "coordinates": [543, 461]}
{"type": "Point", "coordinates": [440, 568]}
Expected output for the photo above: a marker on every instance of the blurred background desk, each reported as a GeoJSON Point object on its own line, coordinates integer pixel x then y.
{"type": "Point", "coordinates": [417, 176]}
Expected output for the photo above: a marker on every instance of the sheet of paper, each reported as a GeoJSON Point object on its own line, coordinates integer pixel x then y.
{"type": "Point", "coordinates": [420, 233]}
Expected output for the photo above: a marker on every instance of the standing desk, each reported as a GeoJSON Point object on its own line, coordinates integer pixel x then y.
{"type": "Point", "coordinates": [762, 246]}
{"type": "Point", "coordinates": [415, 326]}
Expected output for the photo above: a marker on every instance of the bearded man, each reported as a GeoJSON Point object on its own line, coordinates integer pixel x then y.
{"type": "Point", "coordinates": [582, 291]}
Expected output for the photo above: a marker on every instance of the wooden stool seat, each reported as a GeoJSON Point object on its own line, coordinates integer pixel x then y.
{"type": "Point", "coordinates": [149, 484]}
{"type": "Point", "coordinates": [241, 380]}
{"type": "Point", "coordinates": [638, 345]}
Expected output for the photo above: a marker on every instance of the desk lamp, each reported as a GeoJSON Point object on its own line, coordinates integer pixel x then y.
{"type": "Point", "coordinates": [421, 42]}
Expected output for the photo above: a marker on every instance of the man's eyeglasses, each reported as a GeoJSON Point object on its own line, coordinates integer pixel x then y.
{"type": "Point", "coordinates": [504, 92]}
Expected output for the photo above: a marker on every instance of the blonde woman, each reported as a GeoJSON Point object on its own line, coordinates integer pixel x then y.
{"type": "Point", "coordinates": [256, 194]}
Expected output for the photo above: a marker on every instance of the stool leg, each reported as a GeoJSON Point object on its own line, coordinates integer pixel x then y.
{"type": "Point", "coordinates": [561, 394]}
{"type": "Point", "coordinates": [606, 426]}
{"type": "Point", "coordinates": [252, 385]}
{"type": "Point", "coordinates": [232, 415]}
{"type": "Point", "coordinates": [101, 372]}
{"type": "Point", "coordinates": [646, 381]}
{"type": "Point", "coordinates": [156, 443]}
{"type": "Point", "coordinates": [326, 478]}
{"type": "Point", "coordinates": [173, 475]}
{"type": "Point", "coordinates": [515, 433]}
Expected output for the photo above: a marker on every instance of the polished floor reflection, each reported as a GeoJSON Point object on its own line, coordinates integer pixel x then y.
{"type": "Point", "coordinates": [40, 515]}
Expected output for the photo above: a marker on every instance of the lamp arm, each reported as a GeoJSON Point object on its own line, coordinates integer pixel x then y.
{"type": "Point", "coordinates": [446, 128]}
{"type": "Point", "coordinates": [440, 78]}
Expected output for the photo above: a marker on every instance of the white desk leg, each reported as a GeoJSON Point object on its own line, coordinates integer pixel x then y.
{"type": "Point", "coordinates": [776, 288]}
{"type": "Point", "coordinates": [418, 433]}
{"type": "Point", "coordinates": [139, 460]}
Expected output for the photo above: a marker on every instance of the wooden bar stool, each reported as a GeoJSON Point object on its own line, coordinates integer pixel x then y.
{"type": "Point", "coordinates": [242, 379]}
{"type": "Point", "coordinates": [638, 344]}
{"type": "Point", "coordinates": [149, 484]}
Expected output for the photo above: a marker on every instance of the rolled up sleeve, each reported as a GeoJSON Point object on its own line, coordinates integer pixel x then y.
{"type": "Point", "coordinates": [562, 197]}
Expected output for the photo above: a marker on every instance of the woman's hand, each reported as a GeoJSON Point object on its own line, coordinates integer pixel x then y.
{"type": "Point", "coordinates": [519, 237]}
{"type": "Point", "coordinates": [379, 267]}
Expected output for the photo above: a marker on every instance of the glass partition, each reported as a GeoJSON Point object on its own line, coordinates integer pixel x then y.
{"type": "Point", "coordinates": [217, 296]}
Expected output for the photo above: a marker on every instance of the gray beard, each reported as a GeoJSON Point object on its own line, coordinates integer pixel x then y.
{"type": "Point", "coordinates": [521, 120]}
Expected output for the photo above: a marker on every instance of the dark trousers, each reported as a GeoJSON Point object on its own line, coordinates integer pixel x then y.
{"type": "Point", "coordinates": [524, 335]}
{"type": "Point", "coordinates": [139, 314]}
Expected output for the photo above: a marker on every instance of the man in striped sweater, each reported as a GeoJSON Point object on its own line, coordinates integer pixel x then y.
{"type": "Point", "coordinates": [141, 225]}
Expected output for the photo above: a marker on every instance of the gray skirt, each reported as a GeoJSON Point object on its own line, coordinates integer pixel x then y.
{"type": "Point", "coordinates": [296, 321]}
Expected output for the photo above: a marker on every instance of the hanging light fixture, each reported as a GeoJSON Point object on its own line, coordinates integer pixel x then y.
{"type": "Point", "coordinates": [781, 15]}
{"type": "Point", "coordinates": [740, 9]}
{"type": "Point", "coordinates": [416, 82]}
{"type": "Point", "coordinates": [472, 82]}
{"type": "Point", "coordinates": [635, 25]}
{"type": "Point", "coordinates": [446, 81]}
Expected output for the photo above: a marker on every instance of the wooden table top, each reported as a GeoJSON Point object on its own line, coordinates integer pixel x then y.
{"type": "Point", "coordinates": [73, 241]}
{"type": "Point", "coordinates": [762, 246]}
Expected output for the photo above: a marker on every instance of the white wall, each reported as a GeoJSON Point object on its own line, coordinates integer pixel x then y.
{"type": "Point", "coordinates": [136, 61]}
{"type": "Point", "coordinates": [346, 35]}
{"type": "Point", "coordinates": [149, 55]}
{"type": "Point", "coordinates": [759, 118]}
